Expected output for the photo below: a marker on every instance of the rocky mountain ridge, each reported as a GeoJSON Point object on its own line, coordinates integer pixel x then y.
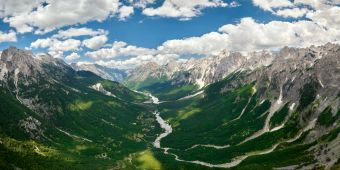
{"type": "Point", "coordinates": [201, 71]}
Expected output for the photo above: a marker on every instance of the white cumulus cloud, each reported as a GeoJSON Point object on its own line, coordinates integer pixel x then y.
{"type": "Point", "coordinates": [8, 37]}
{"type": "Point", "coordinates": [182, 9]}
{"type": "Point", "coordinates": [138, 60]}
{"type": "Point", "coordinates": [329, 17]}
{"type": "Point", "coordinates": [292, 12]}
{"type": "Point", "coordinates": [117, 49]}
{"type": "Point", "coordinates": [56, 45]}
{"type": "Point", "coordinates": [59, 13]}
{"type": "Point", "coordinates": [17, 7]}
{"type": "Point", "coordinates": [95, 42]}
{"type": "Point", "coordinates": [73, 56]}
{"type": "Point", "coordinates": [276, 34]}
{"type": "Point", "coordinates": [298, 8]}
{"type": "Point", "coordinates": [210, 43]}
{"type": "Point", "coordinates": [141, 3]}
{"type": "Point", "coordinates": [125, 12]}
{"type": "Point", "coordinates": [269, 5]}
{"type": "Point", "coordinates": [76, 32]}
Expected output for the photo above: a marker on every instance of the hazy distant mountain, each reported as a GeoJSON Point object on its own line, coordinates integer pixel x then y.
{"type": "Point", "coordinates": [102, 71]}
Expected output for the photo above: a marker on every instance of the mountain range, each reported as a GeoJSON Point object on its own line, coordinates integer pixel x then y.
{"type": "Point", "coordinates": [258, 110]}
{"type": "Point", "coordinates": [112, 74]}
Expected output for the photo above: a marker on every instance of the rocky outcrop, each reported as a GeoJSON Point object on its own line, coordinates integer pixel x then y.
{"type": "Point", "coordinates": [32, 127]}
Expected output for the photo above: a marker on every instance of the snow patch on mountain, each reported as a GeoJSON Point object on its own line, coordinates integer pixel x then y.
{"type": "Point", "coordinates": [3, 71]}
{"type": "Point", "coordinates": [99, 87]}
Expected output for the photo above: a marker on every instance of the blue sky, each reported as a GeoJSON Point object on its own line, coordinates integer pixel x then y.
{"type": "Point", "coordinates": [150, 32]}
{"type": "Point", "coordinates": [158, 31]}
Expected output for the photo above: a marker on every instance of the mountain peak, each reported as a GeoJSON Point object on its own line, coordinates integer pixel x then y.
{"type": "Point", "coordinates": [14, 54]}
{"type": "Point", "coordinates": [151, 64]}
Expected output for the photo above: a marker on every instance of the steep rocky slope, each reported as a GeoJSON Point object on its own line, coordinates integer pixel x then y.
{"type": "Point", "coordinates": [284, 115]}
{"type": "Point", "coordinates": [53, 118]}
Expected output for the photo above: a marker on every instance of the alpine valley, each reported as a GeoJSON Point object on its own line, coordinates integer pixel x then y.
{"type": "Point", "coordinates": [258, 110]}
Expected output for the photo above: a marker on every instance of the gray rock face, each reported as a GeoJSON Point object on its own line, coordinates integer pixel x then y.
{"type": "Point", "coordinates": [101, 71]}
{"type": "Point", "coordinates": [16, 63]}
{"type": "Point", "coordinates": [311, 73]}
{"type": "Point", "coordinates": [32, 126]}
{"type": "Point", "coordinates": [300, 76]}
{"type": "Point", "coordinates": [293, 68]}
{"type": "Point", "coordinates": [21, 70]}
{"type": "Point", "coordinates": [284, 69]}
